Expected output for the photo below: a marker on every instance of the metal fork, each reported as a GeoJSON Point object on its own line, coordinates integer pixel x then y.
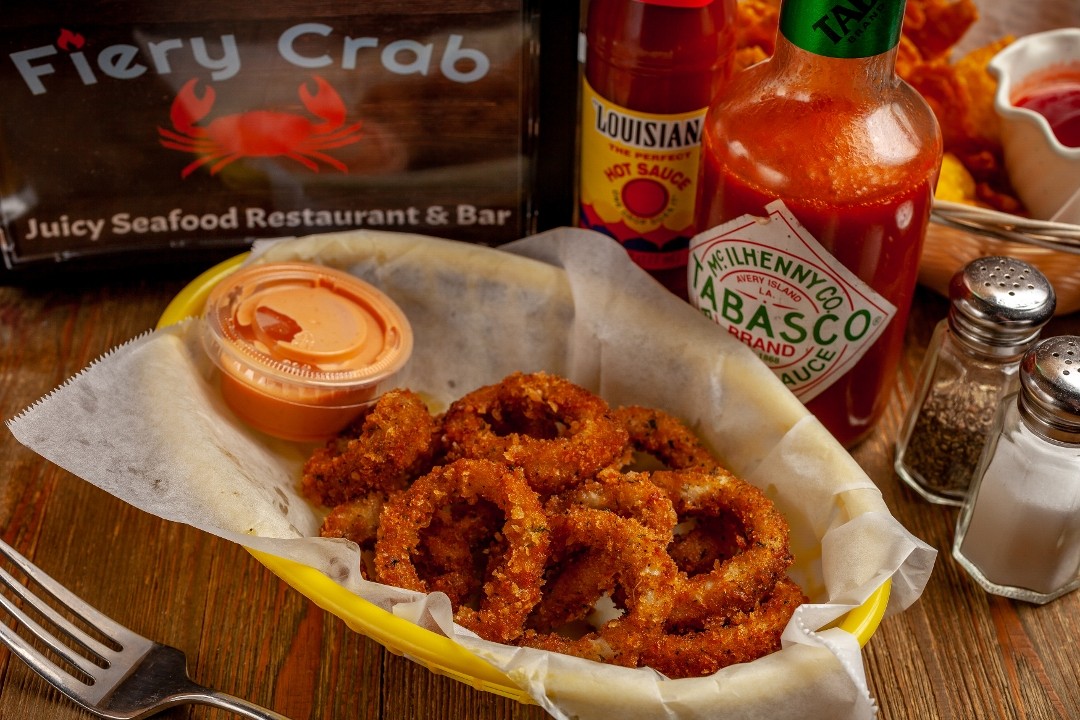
{"type": "Point", "coordinates": [136, 678]}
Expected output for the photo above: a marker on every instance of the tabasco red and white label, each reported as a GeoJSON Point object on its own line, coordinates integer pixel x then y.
{"type": "Point", "coordinates": [768, 282]}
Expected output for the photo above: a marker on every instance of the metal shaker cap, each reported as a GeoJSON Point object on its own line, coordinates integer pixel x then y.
{"type": "Point", "coordinates": [999, 304]}
{"type": "Point", "coordinates": [1050, 388]}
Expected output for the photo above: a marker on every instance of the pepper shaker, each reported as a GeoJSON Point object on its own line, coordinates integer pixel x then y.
{"type": "Point", "coordinates": [998, 307]}
{"type": "Point", "coordinates": [1018, 534]}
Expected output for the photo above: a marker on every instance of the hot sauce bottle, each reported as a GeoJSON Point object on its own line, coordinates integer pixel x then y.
{"type": "Point", "coordinates": [651, 69]}
{"type": "Point", "coordinates": [851, 153]}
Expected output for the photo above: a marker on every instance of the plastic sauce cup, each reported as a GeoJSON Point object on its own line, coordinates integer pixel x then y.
{"type": "Point", "coordinates": [303, 348]}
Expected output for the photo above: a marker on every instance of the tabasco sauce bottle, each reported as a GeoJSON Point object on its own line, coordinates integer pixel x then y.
{"type": "Point", "coordinates": [651, 69]}
{"type": "Point", "coordinates": [841, 156]}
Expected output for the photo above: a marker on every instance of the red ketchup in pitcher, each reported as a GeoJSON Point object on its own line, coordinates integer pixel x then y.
{"type": "Point", "coordinates": [1056, 97]}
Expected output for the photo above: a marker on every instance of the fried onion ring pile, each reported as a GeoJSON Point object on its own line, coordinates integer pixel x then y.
{"type": "Point", "coordinates": [553, 521]}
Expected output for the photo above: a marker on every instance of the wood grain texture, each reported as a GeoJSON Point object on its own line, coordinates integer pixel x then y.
{"type": "Point", "coordinates": [958, 653]}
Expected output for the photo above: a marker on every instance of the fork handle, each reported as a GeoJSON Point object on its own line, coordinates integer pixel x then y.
{"type": "Point", "coordinates": [237, 705]}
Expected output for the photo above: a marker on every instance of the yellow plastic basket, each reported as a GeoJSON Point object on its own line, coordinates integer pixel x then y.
{"type": "Point", "coordinates": [438, 653]}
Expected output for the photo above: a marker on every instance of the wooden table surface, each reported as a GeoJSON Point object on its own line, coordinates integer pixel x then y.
{"type": "Point", "coordinates": [958, 653]}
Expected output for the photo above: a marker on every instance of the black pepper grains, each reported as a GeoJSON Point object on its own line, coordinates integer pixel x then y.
{"type": "Point", "coordinates": [998, 307]}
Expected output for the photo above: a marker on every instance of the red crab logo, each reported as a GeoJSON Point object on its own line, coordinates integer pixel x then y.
{"type": "Point", "coordinates": [259, 133]}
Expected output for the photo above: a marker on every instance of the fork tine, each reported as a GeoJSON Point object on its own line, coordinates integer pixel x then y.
{"type": "Point", "coordinates": [88, 613]}
{"type": "Point", "coordinates": [38, 661]}
{"type": "Point", "coordinates": [134, 680]}
{"type": "Point", "coordinates": [90, 644]}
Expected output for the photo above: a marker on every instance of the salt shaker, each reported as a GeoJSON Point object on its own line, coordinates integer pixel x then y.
{"type": "Point", "coordinates": [998, 307]}
{"type": "Point", "coordinates": [1018, 534]}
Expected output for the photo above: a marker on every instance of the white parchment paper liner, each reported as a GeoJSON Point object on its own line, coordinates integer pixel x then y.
{"type": "Point", "coordinates": [146, 424]}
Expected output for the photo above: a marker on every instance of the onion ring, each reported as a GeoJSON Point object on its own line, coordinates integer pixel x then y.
{"type": "Point", "coordinates": [705, 542]}
{"type": "Point", "coordinates": [383, 450]}
{"type": "Point", "coordinates": [559, 432]}
{"type": "Point", "coordinates": [457, 547]}
{"type": "Point", "coordinates": [739, 582]}
{"type": "Point", "coordinates": [356, 520]}
{"type": "Point", "coordinates": [575, 584]}
{"type": "Point", "coordinates": [513, 587]}
{"type": "Point", "coordinates": [640, 566]}
{"type": "Point", "coordinates": [665, 437]}
{"type": "Point", "coordinates": [726, 641]}
{"type": "Point", "coordinates": [630, 495]}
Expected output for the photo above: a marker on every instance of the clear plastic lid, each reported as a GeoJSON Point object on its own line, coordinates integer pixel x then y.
{"type": "Point", "coordinates": [293, 337]}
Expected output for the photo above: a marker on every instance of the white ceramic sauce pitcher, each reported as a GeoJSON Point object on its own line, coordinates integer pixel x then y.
{"type": "Point", "coordinates": [1044, 172]}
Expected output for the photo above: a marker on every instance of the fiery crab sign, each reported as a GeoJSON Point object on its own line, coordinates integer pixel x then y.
{"type": "Point", "coordinates": [176, 132]}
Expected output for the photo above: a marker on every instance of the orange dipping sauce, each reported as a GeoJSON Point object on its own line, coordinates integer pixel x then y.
{"type": "Point", "coordinates": [303, 348]}
{"type": "Point", "coordinates": [1055, 95]}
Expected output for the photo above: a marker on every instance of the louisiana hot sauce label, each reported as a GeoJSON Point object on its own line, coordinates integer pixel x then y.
{"type": "Point", "coordinates": [770, 284]}
{"type": "Point", "coordinates": [638, 178]}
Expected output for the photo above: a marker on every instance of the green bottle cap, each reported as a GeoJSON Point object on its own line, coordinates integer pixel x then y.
{"type": "Point", "coordinates": [842, 28]}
